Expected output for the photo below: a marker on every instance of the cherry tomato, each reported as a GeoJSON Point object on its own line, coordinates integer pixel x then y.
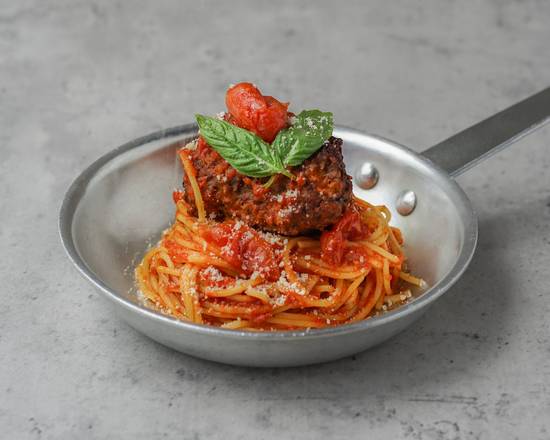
{"type": "Point", "coordinates": [350, 225]}
{"type": "Point", "coordinates": [217, 235]}
{"type": "Point", "coordinates": [249, 109]}
{"type": "Point", "coordinates": [244, 248]}
{"type": "Point", "coordinates": [258, 255]}
{"type": "Point", "coordinates": [332, 247]}
{"type": "Point", "coordinates": [333, 240]}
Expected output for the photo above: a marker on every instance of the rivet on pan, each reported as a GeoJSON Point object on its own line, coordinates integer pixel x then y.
{"type": "Point", "coordinates": [367, 176]}
{"type": "Point", "coordinates": [406, 202]}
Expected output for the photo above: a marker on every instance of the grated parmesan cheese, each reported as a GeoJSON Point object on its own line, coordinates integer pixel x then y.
{"type": "Point", "coordinates": [212, 273]}
{"type": "Point", "coordinates": [270, 238]}
{"type": "Point", "coordinates": [285, 212]}
{"type": "Point", "coordinates": [310, 123]}
{"type": "Point", "coordinates": [291, 193]}
{"type": "Point", "coordinates": [287, 285]}
{"type": "Point", "coordinates": [257, 274]}
{"type": "Point", "coordinates": [279, 300]}
{"type": "Point", "coordinates": [247, 236]}
{"type": "Point", "coordinates": [191, 145]}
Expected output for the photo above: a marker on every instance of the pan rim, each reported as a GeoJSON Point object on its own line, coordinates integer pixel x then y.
{"type": "Point", "coordinates": [77, 188]}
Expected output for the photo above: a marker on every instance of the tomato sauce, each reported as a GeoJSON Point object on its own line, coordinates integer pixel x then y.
{"type": "Point", "coordinates": [177, 195]}
{"type": "Point", "coordinates": [177, 253]}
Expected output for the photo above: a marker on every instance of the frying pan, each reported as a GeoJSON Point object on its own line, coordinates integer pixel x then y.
{"type": "Point", "coordinates": [122, 202]}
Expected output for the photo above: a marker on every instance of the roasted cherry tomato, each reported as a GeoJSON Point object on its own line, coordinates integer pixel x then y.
{"type": "Point", "coordinates": [332, 247]}
{"type": "Point", "coordinates": [217, 235]}
{"type": "Point", "coordinates": [251, 110]}
{"type": "Point", "coordinates": [333, 240]}
{"type": "Point", "coordinates": [350, 225]}
{"type": "Point", "coordinates": [243, 247]}
{"type": "Point", "coordinates": [259, 256]}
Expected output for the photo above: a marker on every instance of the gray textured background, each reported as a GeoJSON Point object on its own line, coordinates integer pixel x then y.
{"type": "Point", "coordinates": [78, 78]}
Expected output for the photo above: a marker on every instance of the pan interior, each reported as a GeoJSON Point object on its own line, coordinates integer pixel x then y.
{"type": "Point", "coordinates": [434, 232]}
{"type": "Point", "coordinates": [123, 202]}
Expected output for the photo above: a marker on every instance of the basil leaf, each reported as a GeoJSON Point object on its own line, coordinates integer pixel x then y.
{"type": "Point", "coordinates": [309, 132]}
{"type": "Point", "coordinates": [244, 151]}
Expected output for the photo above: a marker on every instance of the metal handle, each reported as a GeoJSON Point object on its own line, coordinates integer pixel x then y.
{"type": "Point", "coordinates": [465, 149]}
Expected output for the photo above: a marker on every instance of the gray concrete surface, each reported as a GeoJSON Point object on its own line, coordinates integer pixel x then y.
{"type": "Point", "coordinates": [78, 78]}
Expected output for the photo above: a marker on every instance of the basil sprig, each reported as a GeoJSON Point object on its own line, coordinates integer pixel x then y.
{"type": "Point", "coordinates": [311, 128]}
{"type": "Point", "coordinates": [252, 156]}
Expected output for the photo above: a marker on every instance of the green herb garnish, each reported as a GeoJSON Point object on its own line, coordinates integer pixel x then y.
{"type": "Point", "coordinates": [246, 152]}
{"type": "Point", "coordinates": [310, 130]}
{"type": "Point", "coordinates": [252, 156]}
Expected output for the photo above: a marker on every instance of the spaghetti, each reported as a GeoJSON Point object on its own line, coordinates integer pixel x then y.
{"type": "Point", "coordinates": [230, 275]}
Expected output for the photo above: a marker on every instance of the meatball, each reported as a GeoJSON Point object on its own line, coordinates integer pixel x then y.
{"type": "Point", "coordinates": [315, 200]}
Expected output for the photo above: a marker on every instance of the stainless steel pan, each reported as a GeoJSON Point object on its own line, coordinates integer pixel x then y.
{"type": "Point", "coordinates": [123, 201]}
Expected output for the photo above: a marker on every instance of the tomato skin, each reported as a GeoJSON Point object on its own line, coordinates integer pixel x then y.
{"type": "Point", "coordinates": [333, 240]}
{"type": "Point", "coordinates": [217, 235]}
{"type": "Point", "coordinates": [350, 224]}
{"type": "Point", "coordinates": [332, 247]}
{"type": "Point", "coordinates": [249, 109]}
{"type": "Point", "coordinates": [244, 248]}
{"type": "Point", "coordinates": [258, 256]}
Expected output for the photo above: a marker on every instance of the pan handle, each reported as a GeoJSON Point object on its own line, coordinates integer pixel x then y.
{"type": "Point", "coordinates": [469, 147]}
